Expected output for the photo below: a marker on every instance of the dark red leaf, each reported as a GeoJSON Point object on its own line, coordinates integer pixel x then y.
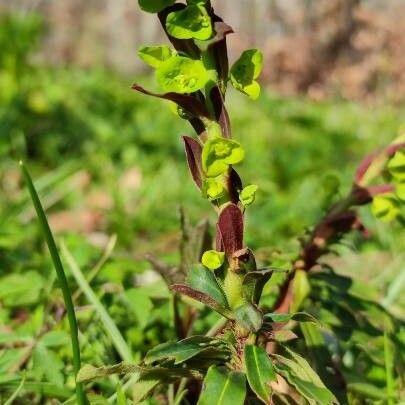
{"type": "Point", "coordinates": [193, 153]}
{"type": "Point", "coordinates": [230, 224]}
{"type": "Point", "coordinates": [234, 185]}
{"type": "Point", "coordinates": [189, 103]}
{"type": "Point", "coordinates": [221, 114]}
{"type": "Point", "coordinates": [201, 297]}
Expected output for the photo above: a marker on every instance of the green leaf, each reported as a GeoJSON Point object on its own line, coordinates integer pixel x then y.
{"type": "Point", "coordinates": [154, 6]}
{"type": "Point", "coordinates": [223, 387]}
{"type": "Point", "coordinates": [299, 374]}
{"type": "Point", "coordinates": [244, 72]}
{"type": "Point", "coordinates": [259, 371]}
{"type": "Point", "coordinates": [192, 22]}
{"type": "Point", "coordinates": [47, 363]}
{"type": "Point", "coordinates": [249, 317]}
{"type": "Point", "coordinates": [253, 284]}
{"type": "Point", "coordinates": [142, 389]}
{"type": "Point", "coordinates": [213, 189]}
{"type": "Point", "coordinates": [181, 75]}
{"type": "Point", "coordinates": [182, 350]}
{"type": "Point", "coordinates": [55, 338]}
{"type": "Point", "coordinates": [396, 165]}
{"type": "Point", "coordinates": [155, 55]}
{"type": "Point", "coordinates": [212, 259]}
{"type": "Point", "coordinates": [297, 316]}
{"type": "Point", "coordinates": [21, 289]}
{"type": "Point", "coordinates": [385, 207]}
{"type": "Point", "coordinates": [218, 153]}
{"type": "Point", "coordinates": [204, 280]}
{"type": "Point", "coordinates": [248, 194]}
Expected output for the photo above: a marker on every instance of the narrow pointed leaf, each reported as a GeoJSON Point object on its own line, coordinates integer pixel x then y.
{"type": "Point", "coordinates": [201, 297]}
{"type": "Point", "coordinates": [189, 103]}
{"type": "Point", "coordinates": [253, 284]}
{"type": "Point", "coordinates": [259, 371]}
{"type": "Point", "coordinates": [193, 153]}
{"type": "Point", "coordinates": [67, 297]}
{"type": "Point", "coordinates": [230, 224]}
{"type": "Point", "coordinates": [299, 374]}
{"type": "Point", "coordinates": [223, 387]}
{"type": "Point", "coordinates": [204, 280]}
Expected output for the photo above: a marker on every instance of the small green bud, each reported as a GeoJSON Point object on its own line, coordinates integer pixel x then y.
{"type": "Point", "coordinates": [385, 207]}
{"type": "Point", "coordinates": [396, 166]}
{"type": "Point", "coordinates": [218, 153]}
{"type": "Point", "coordinates": [248, 194]}
{"type": "Point", "coordinates": [212, 259]}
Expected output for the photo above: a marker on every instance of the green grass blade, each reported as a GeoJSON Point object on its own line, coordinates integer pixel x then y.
{"type": "Point", "coordinates": [16, 392]}
{"type": "Point", "coordinates": [116, 337]}
{"type": "Point", "coordinates": [389, 366]}
{"type": "Point", "coordinates": [80, 394]}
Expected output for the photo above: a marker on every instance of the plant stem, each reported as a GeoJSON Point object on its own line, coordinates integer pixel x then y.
{"type": "Point", "coordinates": [80, 394]}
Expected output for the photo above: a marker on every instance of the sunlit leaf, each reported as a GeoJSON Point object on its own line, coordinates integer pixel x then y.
{"type": "Point", "coordinates": [259, 371]}
{"type": "Point", "coordinates": [396, 165]}
{"type": "Point", "coordinates": [223, 387]}
{"type": "Point", "coordinates": [155, 55]}
{"type": "Point", "coordinates": [244, 72]}
{"type": "Point", "coordinates": [297, 316]}
{"type": "Point", "coordinates": [248, 194]}
{"type": "Point", "coordinates": [213, 259]}
{"type": "Point", "coordinates": [181, 75]}
{"type": "Point", "coordinates": [213, 189]}
{"type": "Point", "coordinates": [385, 207]}
{"type": "Point", "coordinates": [218, 153]}
{"type": "Point", "coordinates": [190, 22]}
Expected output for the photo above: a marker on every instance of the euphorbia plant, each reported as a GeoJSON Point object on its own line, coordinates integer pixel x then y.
{"type": "Point", "coordinates": [247, 357]}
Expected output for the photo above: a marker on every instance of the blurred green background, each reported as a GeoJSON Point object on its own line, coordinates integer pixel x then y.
{"type": "Point", "coordinates": [110, 169]}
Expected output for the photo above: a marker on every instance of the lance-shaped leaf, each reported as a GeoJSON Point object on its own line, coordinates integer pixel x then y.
{"type": "Point", "coordinates": [230, 225]}
{"type": "Point", "coordinates": [155, 55]}
{"type": "Point", "coordinates": [193, 153]}
{"type": "Point", "coordinates": [185, 46]}
{"type": "Point", "coordinates": [189, 103]}
{"type": "Point", "coordinates": [89, 372]}
{"type": "Point", "coordinates": [300, 375]}
{"type": "Point", "coordinates": [259, 371]}
{"type": "Point", "coordinates": [154, 6]}
{"type": "Point", "coordinates": [204, 280]}
{"type": "Point", "coordinates": [192, 22]}
{"type": "Point", "coordinates": [249, 317]}
{"type": "Point", "coordinates": [253, 284]}
{"type": "Point", "coordinates": [184, 350]}
{"type": "Point", "coordinates": [244, 72]}
{"type": "Point", "coordinates": [221, 114]}
{"type": "Point", "coordinates": [223, 387]}
{"type": "Point", "coordinates": [182, 75]}
{"type": "Point", "coordinates": [203, 298]}
{"type": "Point", "coordinates": [297, 316]}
